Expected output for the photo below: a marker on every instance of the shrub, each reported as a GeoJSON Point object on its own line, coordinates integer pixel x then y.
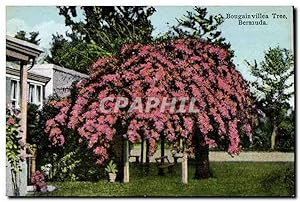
{"type": "Point", "coordinates": [289, 180]}
{"type": "Point", "coordinates": [66, 161]}
{"type": "Point", "coordinates": [64, 168]}
{"type": "Point", "coordinates": [13, 146]}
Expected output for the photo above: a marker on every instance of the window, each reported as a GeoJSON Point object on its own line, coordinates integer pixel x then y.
{"type": "Point", "coordinates": [35, 93]}
{"type": "Point", "coordinates": [14, 93]}
{"type": "Point", "coordinates": [14, 89]}
{"type": "Point", "coordinates": [39, 95]}
{"type": "Point", "coordinates": [31, 93]}
{"type": "Point", "coordinates": [43, 93]}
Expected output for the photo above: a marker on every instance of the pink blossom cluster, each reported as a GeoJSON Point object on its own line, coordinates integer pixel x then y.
{"type": "Point", "coordinates": [54, 126]}
{"type": "Point", "coordinates": [11, 121]}
{"type": "Point", "coordinates": [38, 181]}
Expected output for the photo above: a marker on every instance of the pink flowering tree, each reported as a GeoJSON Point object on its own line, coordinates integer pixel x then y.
{"type": "Point", "coordinates": [200, 72]}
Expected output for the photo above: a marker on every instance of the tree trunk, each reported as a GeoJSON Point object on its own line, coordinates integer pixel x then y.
{"type": "Point", "coordinates": [202, 170]}
{"type": "Point", "coordinates": [119, 157]}
{"type": "Point", "coordinates": [117, 151]}
{"type": "Point", "coordinates": [147, 152]}
{"type": "Point", "coordinates": [273, 137]}
{"type": "Point", "coordinates": [147, 166]}
{"type": "Point", "coordinates": [162, 152]}
{"type": "Point", "coordinates": [162, 146]}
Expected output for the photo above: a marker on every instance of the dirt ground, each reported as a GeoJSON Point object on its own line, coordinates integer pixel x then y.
{"type": "Point", "coordinates": [223, 156]}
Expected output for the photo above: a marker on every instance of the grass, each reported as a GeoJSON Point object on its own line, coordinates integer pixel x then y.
{"type": "Point", "coordinates": [229, 179]}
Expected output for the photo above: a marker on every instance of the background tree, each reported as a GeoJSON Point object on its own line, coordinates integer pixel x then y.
{"type": "Point", "coordinates": [197, 24]}
{"type": "Point", "coordinates": [32, 38]}
{"type": "Point", "coordinates": [273, 86]}
{"type": "Point", "coordinates": [286, 133]}
{"type": "Point", "coordinates": [100, 34]}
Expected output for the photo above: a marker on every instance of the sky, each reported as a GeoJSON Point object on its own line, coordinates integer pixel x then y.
{"type": "Point", "coordinates": [248, 41]}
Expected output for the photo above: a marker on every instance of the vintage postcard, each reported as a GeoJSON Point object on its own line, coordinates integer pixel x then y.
{"type": "Point", "coordinates": [150, 101]}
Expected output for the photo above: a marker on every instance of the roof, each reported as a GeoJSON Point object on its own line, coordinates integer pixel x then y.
{"type": "Point", "coordinates": [69, 71]}
{"type": "Point", "coordinates": [38, 69]}
{"type": "Point", "coordinates": [13, 69]}
{"type": "Point", "coordinates": [20, 49]}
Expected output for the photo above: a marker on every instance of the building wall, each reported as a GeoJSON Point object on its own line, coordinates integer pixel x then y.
{"type": "Point", "coordinates": [34, 83]}
{"type": "Point", "coordinates": [8, 89]}
{"type": "Point", "coordinates": [36, 86]}
{"type": "Point", "coordinates": [21, 178]}
{"type": "Point", "coordinates": [45, 70]}
{"type": "Point", "coordinates": [61, 78]}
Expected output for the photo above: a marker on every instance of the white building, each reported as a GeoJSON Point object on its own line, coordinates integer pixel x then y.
{"type": "Point", "coordinates": [61, 78]}
{"type": "Point", "coordinates": [43, 81]}
{"type": "Point", "coordinates": [36, 86]}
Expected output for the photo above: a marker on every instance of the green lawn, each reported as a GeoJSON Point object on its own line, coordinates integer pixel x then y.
{"type": "Point", "coordinates": [229, 179]}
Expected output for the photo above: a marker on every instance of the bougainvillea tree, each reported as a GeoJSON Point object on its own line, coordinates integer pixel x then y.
{"type": "Point", "coordinates": [182, 89]}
